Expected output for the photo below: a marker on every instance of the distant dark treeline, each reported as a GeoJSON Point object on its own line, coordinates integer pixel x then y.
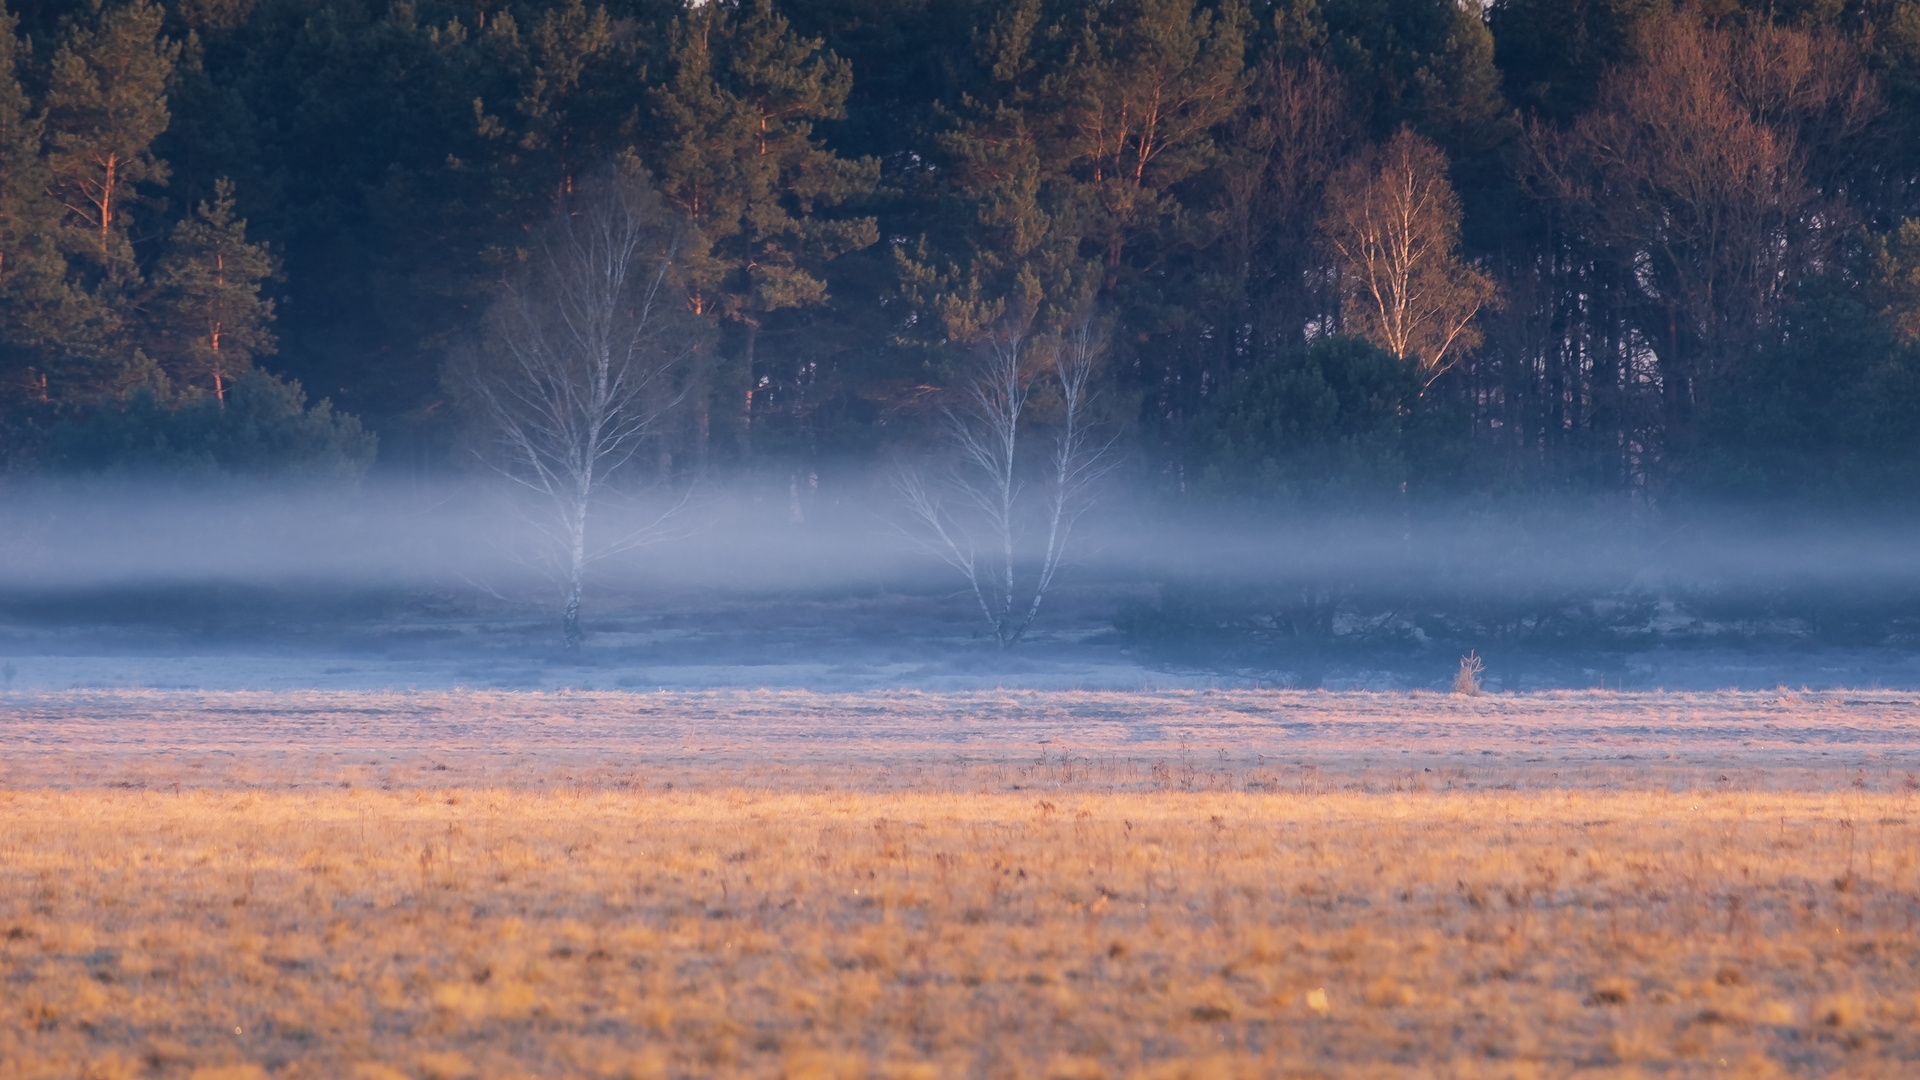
{"type": "Point", "coordinates": [1367, 246]}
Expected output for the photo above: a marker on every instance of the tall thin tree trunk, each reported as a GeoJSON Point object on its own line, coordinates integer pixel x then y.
{"type": "Point", "coordinates": [702, 424]}
{"type": "Point", "coordinates": [220, 281]}
{"type": "Point", "coordinates": [746, 415]}
{"type": "Point", "coordinates": [570, 616]}
{"type": "Point", "coordinates": [1007, 629]}
{"type": "Point", "coordinates": [106, 206]}
{"type": "Point", "coordinates": [576, 570]}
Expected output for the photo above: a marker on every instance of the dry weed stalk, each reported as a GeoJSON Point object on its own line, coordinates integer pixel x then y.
{"type": "Point", "coordinates": [1466, 681]}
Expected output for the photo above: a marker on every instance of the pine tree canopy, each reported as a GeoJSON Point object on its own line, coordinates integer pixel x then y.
{"type": "Point", "coordinates": [1612, 245]}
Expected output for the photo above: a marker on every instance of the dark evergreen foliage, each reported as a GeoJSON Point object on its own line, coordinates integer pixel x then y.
{"type": "Point", "coordinates": [264, 429]}
{"type": "Point", "coordinates": [1339, 411]}
{"type": "Point", "coordinates": [334, 191]}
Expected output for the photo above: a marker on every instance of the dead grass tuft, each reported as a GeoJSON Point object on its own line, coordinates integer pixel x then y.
{"type": "Point", "coordinates": [1466, 681]}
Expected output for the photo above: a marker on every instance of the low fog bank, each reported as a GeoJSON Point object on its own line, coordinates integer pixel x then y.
{"type": "Point", "coordinates": [412, 584]}
{"type": "Point", "coordinates": [755, 538]}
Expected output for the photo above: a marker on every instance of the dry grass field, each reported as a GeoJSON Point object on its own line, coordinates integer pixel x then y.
{"type": "Point", "coordinates": [987, 885]}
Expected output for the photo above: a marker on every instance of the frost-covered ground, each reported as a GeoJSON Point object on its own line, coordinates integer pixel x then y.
{"type": "Point", "coordinates": [240, 640]}
{"type": "Point", "coordinates": [1256, 740]}
{"type": "Point", "coordinates": [841, 643]}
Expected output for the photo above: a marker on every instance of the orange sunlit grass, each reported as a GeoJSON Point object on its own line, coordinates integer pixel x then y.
{"type": "Point", "coordinates": [488, 932]}
{"type": "Point", "coordinates": [1036, 921]}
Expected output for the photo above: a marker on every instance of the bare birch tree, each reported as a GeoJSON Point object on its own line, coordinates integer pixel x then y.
{"type": "Point", "coordinates": [570, 386]}
{"type": "Point", "coordinates": [1393, 221]}
{"type": "Point", "coordinates": [979, 511]}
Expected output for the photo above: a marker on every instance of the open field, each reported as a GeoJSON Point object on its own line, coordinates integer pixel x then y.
{"type": "Point", "coordinates": [1005, 884]}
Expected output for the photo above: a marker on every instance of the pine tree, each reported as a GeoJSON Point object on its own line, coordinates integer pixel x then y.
{"type": "Point", "coordinates": [1016, 247]}
{"type": "Point", "coordinates": [1552, 54]}
{"type": "Point", "coordinates": [106, 104]}
{"type": "Point", "coordinates": [1896, 278]}
{"type": "Point", "coordinates": [1075, 151]}
{"type": "Point", "coordinates": [1428, 63]}
{"type": "Point", "coordinates": [43, 318]}
{"type": "Point", "coordinates": [566, 103]}
{"type": "Point", "coordinates": [1140, 97]}
{"type": "Point", "coordinates": [208, 310]}
{"type": "Point", "coordinates": [1698, 170]}
{"type": "Point", "coordinates": [393, 209]}
{"type": "Point", "coordinates": [739, 156]}
{"type": "Point", "coordinates": [1263, 260]}
{"type": "Point", "coordinates": [23, 206]}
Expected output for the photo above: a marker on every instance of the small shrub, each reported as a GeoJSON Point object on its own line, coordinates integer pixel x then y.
{"type": "Point", "coordinates": [1466, 681]}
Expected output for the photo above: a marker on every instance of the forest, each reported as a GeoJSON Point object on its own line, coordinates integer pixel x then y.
{"type": "Point", "coordinates": [1346, 250]}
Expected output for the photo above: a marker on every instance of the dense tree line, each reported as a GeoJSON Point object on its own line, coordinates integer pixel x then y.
{"type": "Point", "coordinates": [1335, 246]}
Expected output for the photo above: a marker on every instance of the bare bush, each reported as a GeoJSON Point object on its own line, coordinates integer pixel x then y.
{"type": "Point", "coordinates": [1466, 681]}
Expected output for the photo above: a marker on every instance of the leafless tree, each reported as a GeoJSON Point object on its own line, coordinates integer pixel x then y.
{"type": "Point", "coordinates": [1709, 168]}
{"type": "Point", "coordinates": [572, 378]}
{"type": "Point", "coordinates": [980, 512]}
{"type": "Point", "coordinates": [1393, 221]}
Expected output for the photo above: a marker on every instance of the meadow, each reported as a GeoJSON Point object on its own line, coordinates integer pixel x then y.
{"type": "Point", "coordinates": [1009, 884]}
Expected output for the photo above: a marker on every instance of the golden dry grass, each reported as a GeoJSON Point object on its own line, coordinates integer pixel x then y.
{"type": "Point", "coordinates": [290, 911]}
